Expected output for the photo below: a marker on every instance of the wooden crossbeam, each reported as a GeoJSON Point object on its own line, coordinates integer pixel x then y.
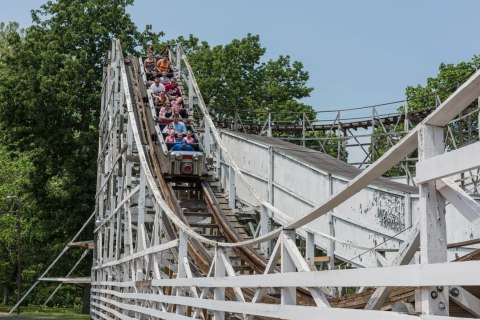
{"type": "Point", "coordinates": [68, 280]}
{"type": "Point", "coordinates": [466, 300]}
{"type": "Point", "coordinates": [449, 163]}
{"type": "Point", "coordinates": [467, 206]}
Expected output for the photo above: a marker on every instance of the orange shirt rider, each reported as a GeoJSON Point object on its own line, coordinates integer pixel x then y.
{"type": "Point", "coordinates": [163, 65]}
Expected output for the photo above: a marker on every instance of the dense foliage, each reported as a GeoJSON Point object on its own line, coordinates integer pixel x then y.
{"type": "Point", "coordinates": [50, 81]}
{"type": "Point", "coordinates": [448, 79]}
{"type": "Point", "coordinates": [234, 77]}
{"type": "Point", "coordinates": [420, 98]}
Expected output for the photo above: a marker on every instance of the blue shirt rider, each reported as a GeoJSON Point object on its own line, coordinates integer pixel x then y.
{"type": "Point", "coordinates": [183, 146]}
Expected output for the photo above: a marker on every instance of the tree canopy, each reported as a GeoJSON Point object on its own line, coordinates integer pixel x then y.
{"type": "Point", "coordinates": [50, 84]}
{"type": "Point", "coordinates": [235, 77]}
{"type": "Point", "coordinates": [449, 78]}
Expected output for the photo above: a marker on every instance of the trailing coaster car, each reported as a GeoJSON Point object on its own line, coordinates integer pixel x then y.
{"type": "Point", "coordinates": [184, 163]}
{"type": "Point", "coordinates": [187, 163]}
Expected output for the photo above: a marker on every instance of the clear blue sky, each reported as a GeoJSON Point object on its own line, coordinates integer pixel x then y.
{"type": "Point", "coordinates": [357, 52]}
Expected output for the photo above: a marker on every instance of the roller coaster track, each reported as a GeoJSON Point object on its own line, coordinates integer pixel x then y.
{"type": "Point", "coordinates": [175, 248]}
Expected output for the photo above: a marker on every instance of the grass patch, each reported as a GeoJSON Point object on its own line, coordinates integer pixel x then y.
{"type": "Point", "coordinates": [43, 313]}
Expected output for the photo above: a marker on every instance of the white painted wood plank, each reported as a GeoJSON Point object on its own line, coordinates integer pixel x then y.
{"type": "Point", "coordinates": [466, 301]}
{"type": "Point", "coordinates": [154, 249]}
{"type": "Point", "coordinates": [141, 310]}
{"type": "Point", "coordinates": [293, 312]}
{"type": "Point", "coordinates": [449, 163]}
{"type": "Point", "coordinates": [467, 206]}
{"type": "Point", "coordinates": [437, 274]}
{"type": "Point", "coordinates": [381, 260]}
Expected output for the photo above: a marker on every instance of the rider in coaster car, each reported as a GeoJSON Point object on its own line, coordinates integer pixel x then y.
{"type": "Point", "coordinates": [183, 146]}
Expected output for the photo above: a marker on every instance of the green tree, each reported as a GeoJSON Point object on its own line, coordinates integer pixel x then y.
{"type": "Point", "coordinates": [233, 78]}
{"type": "Point", "coordinates": [50, 84]}
{"type": "Point", "coordinates": [420, 98]}
{"type": "Point", "coordinates": [448, 79]}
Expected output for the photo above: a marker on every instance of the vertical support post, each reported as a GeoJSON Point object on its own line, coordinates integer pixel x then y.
{"type": "Point", "coordinates": [406, 125]}
{"type": "Point", "coordinates": [372, 139]}
{"type": "Point", "coordinates": [235, 121]}
{"type": "Point", "coordinates": [218, 167]}
{"type": "Point", "coordinates": [331, 226]}
{"type": "Point", "coordinates": [179, 57]}
{"type": "Point", "coordinates": [265, 217]}
{"type": "Point", "coordinates": [289, 294]}
{"type": "Point", "coordinates": [207, 136]}
{"type": "Point", "coordinates": [269, 129]}
{"type": "Point", "coordinates": [339, 142]}
{"type": "Point", "coordinates": [433, 232]}
{"type": "Point", "coordinates": [478, 120]}
{"type": "Point", "coordinates": [408, 209]}
{"type": "Point", "coordinates": [265, 226]}
{"type": "Point", "coordinates": [190, 96]}
{"type": "Point", "coordinates": [181, 273]}
{"type": "Point", "coordinates": [303, 129]}
{"type": "Point", "coordinates": [310, 247]}
{"type": "Point", "coordinates": [219, 293]}
{"type": "Point", "coordinates": [231, 188]}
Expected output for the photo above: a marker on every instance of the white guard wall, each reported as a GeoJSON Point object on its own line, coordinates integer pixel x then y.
{"type": "Point", "coordinates": [371, 217]}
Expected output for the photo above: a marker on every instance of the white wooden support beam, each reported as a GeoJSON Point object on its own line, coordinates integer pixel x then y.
{"type": "Point", "coordinates": [207, 138]}
{"type": "Point", "coordinates": [272, 262]}
{"type": "Point", "coordinates": [296, 312]}
{"type": "Point", "coordinates": [190, 96]}
{"type": "Point", "coordinates": [433, 231]}
{"type": "Point", "coordinates": [404, 256]}
{"type": "Point", "coordinates": [218, 164]}
{"type": "Point", "coordinates": [265, 227]}
{"type": "Point", "coordinates": [178, 58]}
{"type": "Point", "coordinates": [232, 194]}
{"type": "Point", "coordinates": [310, 247]}
{"type": "Point", "coordinates": [204, 292]}
{"type": "Point", "coordinates": [289, 294]}
{"type": "Point", "coordinates": [181, 273]}
{"type": "Point", "coordinates": [415, 275]}
{"type": "Point", "coordinates": [189, 274]}
{"type": "Point", "coordinates": [231, 273]}
{"type": "Point", "coordinates": [466, 300]}
{"type": "Point", "coordinates": [449, 163]}
{"type": "Point", "coordinates": [407, 199]}
{"type": "Point", "coordinates": [219, 293]}
{"type": "Point", "coordinates": [331, 226]}
{"type": "Point", "coordinates": [381, 260]}
{"type": "Point", "coordinates": [467, 206]}
{"type": "Point", "coordinates": [302, 266]}
{"type": "Point", "coordinates": [266, 214]}
{"type": "Point", "coordinates": [193, 289]}
{"type": "Point", "coordinates": [141, 208]}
